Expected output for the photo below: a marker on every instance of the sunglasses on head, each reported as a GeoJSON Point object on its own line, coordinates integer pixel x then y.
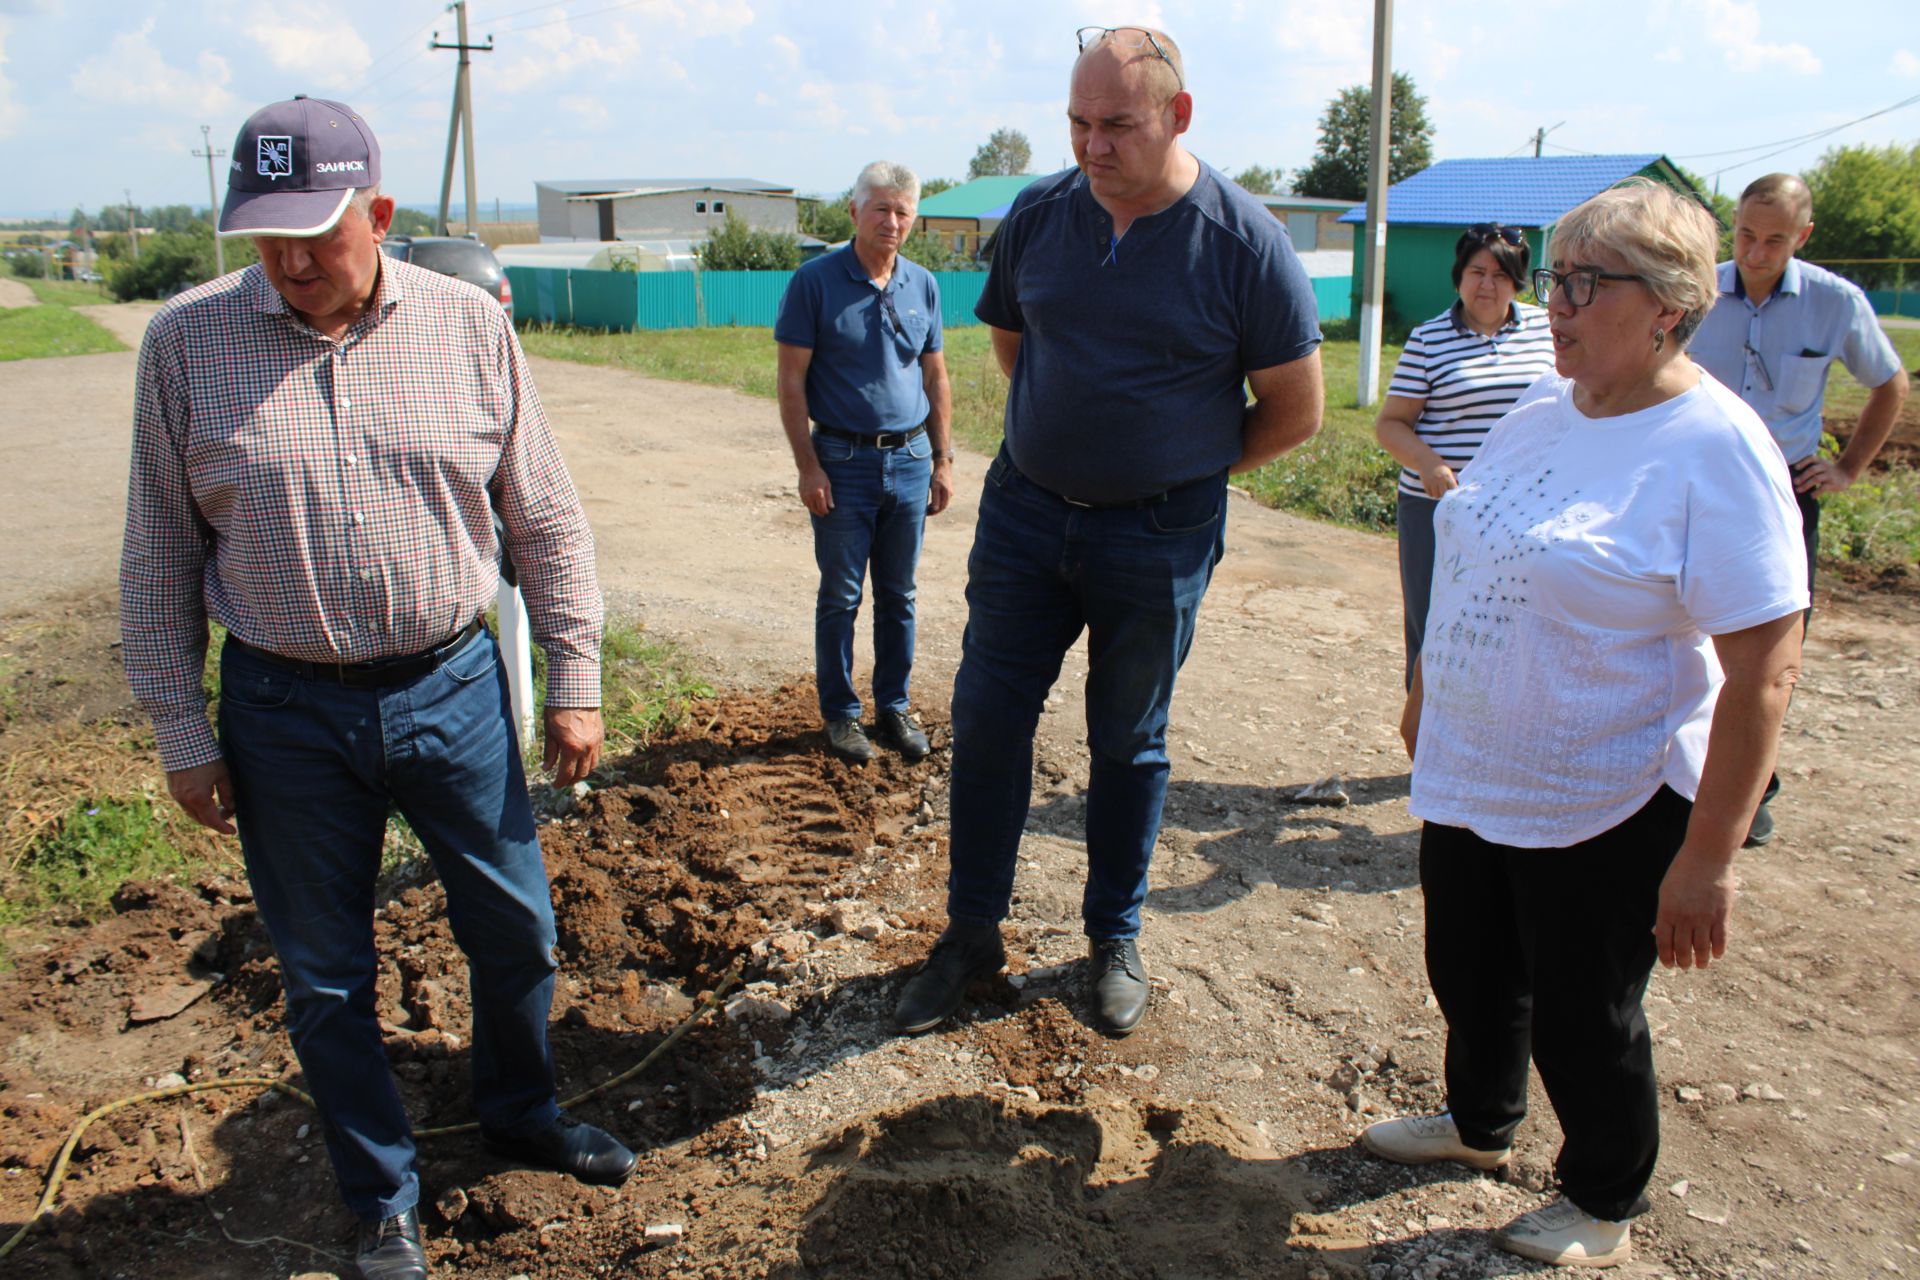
{"type": "Point", "coordinates": [1515, 236]}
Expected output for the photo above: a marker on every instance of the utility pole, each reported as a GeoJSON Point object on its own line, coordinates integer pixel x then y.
{"type": "Point", "coordinates": [1540, 139]}
{"type": "Point", "coordinates": [1373, 280]}
{"type": "Point", "coordinates": [133, 228]}
{"type": "Point", "coordinates": [462, 109]}
{"type": "Point", "coordinates": [213, 201]}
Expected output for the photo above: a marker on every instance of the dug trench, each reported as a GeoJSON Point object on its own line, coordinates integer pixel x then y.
{"type": "Point", "coordinates": [736, 840]}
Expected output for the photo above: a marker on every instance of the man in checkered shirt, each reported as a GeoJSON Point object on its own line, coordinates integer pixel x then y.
{"type": "Point", "coordinates": [320, 444]}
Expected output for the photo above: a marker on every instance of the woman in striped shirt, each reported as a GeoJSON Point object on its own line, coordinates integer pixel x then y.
{"type": "Point", "coordinates": [1459, 374]}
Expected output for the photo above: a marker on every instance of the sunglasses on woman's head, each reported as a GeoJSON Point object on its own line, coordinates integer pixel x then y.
{"type": "Point", "coordinates": [1488, 230]}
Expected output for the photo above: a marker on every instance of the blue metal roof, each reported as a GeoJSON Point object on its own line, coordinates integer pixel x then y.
{"type": "Point", "coordinates": [1521, 191]}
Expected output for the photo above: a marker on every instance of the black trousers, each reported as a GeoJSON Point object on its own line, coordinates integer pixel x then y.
{"type": "Point", "coordinates": [1544, 954]}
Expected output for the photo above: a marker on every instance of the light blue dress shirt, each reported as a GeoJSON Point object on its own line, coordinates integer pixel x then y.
{"type": "Point", "coordinates": [1776, 355]}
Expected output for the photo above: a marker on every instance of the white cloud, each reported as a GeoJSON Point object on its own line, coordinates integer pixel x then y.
{"type": "Point", "coordinates": [313, 41]}
{"type": "Point", "coordinates": [789, 52]}
{"type": "Point", "coordinates": [10, 112]}
{"type": "Point", "coordinates": [567, 55]}
{"type": "Point", "coordinates": [132, 72]}
{"type": "Point", "coordinates": [1905, 63]}
{"type": "Point", "coordinates": [820, 105]}
{"type": "Point", "coordinates": [1672, 53]}
{"type": "Point", "coordinates": [588, 110]}
{"type": "Point", "coordinates": [1735, 27]}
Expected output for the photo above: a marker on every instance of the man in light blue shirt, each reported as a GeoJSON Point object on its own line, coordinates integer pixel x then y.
{"type": "Point", "coordinates": [1772, 336]}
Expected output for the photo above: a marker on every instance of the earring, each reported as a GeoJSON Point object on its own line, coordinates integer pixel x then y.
{"type": "Point", "coordinates": [1659, 340]}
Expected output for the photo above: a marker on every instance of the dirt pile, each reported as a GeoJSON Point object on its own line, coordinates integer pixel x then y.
{"type": "Point", "coordinates": [738, 839]}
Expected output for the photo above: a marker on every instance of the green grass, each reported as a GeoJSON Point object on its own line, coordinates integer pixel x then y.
{"type": "Point", "coordinates": [32, 333]}
{"type": "Point", "coordinates": [1875, 523]}
{"type": "Point", "coordinates": [99, 843]}
{"type": "Point", "coordinates": [1341, 475]}
{"type": "Point", "coordinates": [646, 686]}
{"type": "Point", "coordinates": [69, 293]}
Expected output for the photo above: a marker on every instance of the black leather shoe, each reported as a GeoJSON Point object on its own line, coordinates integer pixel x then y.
{"type": "Point", "coordinates": [390, 1249]}
{"type": "Point", "coordinates": [897, 730]}
{"type": "Point", "coordinates": [849, 741]}
{"type": "Point", "coordinates": [1761, 829]}
{"type": "Point", "coordinates": [961, 954]}
{"type": "Point", "coordinates": [1117, 984]}
{"type": "Point", "coordinates": [572, 1147]}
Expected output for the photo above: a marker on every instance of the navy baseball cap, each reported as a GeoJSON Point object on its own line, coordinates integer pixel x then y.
{"type": "Point", "coordinates": [295, 166]}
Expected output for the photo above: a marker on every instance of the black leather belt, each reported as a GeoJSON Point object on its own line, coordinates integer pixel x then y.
{"type": "Point", "coordinates": [382, 673]}
{"type": "Point", "coordinates": [885, 440]}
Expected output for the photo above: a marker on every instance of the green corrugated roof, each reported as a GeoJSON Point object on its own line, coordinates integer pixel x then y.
{"type": "Point", "coordinates": [976, 199]}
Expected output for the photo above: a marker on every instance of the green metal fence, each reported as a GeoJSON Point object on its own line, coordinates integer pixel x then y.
{"type": "Point", "coordinates": [1875, 274]}
{"type": "Point", "coordinates": [685, 299]}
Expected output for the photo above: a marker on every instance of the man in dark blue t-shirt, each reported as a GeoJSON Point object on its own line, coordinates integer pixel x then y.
{"type": "Point", "coordinates": [860, 356]}
{"type": "Point", "coordinates": [1130, 299]}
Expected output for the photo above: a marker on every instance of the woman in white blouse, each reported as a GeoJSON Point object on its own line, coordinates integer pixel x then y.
{"type": "Point", "coordinates": [1614, 633]}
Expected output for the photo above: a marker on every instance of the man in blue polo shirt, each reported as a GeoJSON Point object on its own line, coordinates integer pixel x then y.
{"type": "Point", "coordinates": [860, 358]}
{"type": "Point", "coordinates": [1775, 331]}
{"type": "Point", "coordinates": [1130, 300]}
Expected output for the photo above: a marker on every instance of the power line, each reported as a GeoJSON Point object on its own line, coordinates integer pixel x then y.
{"type": "Point", "coordinates": [1784, 145]}
{"type": "Point", "coordinates": [439, 73]}
{"type": "Point", "coordinates": [576, 17]}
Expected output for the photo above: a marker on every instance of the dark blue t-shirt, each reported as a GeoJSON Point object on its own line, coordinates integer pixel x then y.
{"type": "Point", "coordinates": [1133, 356]}
{"type": "Point", "coordinates": [865, 374]}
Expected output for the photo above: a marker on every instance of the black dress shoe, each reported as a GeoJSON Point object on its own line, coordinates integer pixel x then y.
{"type": "Point", "coordinates": [572, 1147]}
{"type": "Point", "coordinates": [1118, 986]}
{"type": "Point", "coordinates": [897, 730]}
{"type": "Point", "coordinates": [390, 1249]}
{"type": "Point", "coordinates": [961, 954]}
{"type": "Point", "coordinates": [849, 741]}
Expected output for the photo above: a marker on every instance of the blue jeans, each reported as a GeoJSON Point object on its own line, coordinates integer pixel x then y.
{"type": "Point", "coordinates": [1041, 571]}
{"type": "Point", "coordinates": [315, 766]}
{"type": "Point", "coordinates": [879, 514]}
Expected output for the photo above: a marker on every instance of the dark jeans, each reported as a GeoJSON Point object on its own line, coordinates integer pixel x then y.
{"type": "Point", "coordinates": [1042, 570]}
{"type": "Point", "coordinates": [879, 515]}
{"type": "Point", "coordinates": [1545, 953]}
{"type": "Point", "coordinates": [1810, 534]}
{"type": "Point", "coordinates": [1414, 519]}
{"type": "Point", "coordinates": [315, 767]}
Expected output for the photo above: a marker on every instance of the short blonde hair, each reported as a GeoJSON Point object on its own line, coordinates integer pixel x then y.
{"type": "Point", "coordinates": [1661, 235]}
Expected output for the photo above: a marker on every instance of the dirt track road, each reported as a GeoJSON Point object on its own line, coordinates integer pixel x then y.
{"type": "Point", "coordinates": [1285, 939]}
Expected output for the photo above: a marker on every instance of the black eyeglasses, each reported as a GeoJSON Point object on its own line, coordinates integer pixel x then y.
{"type": "Point", "coordinates": [1128, 38]}
{"type": "Point", "coordinates": [1580, 283]}
{"type": "Point", "coordinates": [1515, 236]}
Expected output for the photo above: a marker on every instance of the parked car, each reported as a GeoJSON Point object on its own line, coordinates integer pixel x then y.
{"type": "Point", "coordinates": [455, 256]}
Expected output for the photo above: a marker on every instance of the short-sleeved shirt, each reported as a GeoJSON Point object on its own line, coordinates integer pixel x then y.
{"type": "Point", "coordinates": [1578, 573]}
{"type": "Point", "coordinates": [866, 341]}
{"type": "Point", "coordinates": [1133, 354]}
{"type": "Point", "coordinates": [1813, 318]}
{"type": "Point", "coordinates": [1468, 380]}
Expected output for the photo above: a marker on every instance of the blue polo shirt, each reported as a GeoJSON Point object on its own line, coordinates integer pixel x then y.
{"type": "Point", "coordinates": [865, 374]}
{"type": "Point", "coordinates": [1812, 318]}
{"type": "Point", "coordinates": [1133, 355]}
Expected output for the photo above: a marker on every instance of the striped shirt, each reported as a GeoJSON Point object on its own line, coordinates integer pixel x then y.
{"type": "Point", "coordinates": [1468, 381]}
{"type": "Point", "coordinates": [331, 500]}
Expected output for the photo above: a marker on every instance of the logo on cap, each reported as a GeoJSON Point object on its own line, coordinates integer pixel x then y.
{"type": "Point", "coordinates": [274, 159]}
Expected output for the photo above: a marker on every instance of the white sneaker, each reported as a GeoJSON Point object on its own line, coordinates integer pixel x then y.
{"type": "Point", "coordinates": [1566, 1235]}
{"type": "Point", "coordinates": [1425, 1139]}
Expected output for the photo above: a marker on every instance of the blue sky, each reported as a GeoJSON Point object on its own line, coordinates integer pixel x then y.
{"type": "Point", "coordinates": [97, 96]}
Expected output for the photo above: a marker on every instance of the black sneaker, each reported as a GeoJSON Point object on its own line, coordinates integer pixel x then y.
{"type": "Point", "coordinates": [1761, 829]}
{"type": "Point", "coordinates": [390, 1249]}
{"type": "Point", "coordinates": [960, 955]}
{"type": "Point", "coordinates": [1117, 985]}
{"type": "Point", "coordinates": [849, 741]}
{"type": "Point", "coordinates": [896, 729]}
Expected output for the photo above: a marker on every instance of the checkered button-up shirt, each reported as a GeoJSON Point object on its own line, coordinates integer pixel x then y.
{"type": "Point", "coordinates": [332, 500]}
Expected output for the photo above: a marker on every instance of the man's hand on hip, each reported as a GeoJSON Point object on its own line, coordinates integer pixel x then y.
{"type": "Point", "coordinates": [1820, 475]}
{"type": "Point", "coordinates": [940, 489]}
{"type": "Point", "coordinates": [816, 491]}
{"type": "Point", "coordinates": [573, 738]}
{"type": "Point", "coordinates": [206, 793]}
